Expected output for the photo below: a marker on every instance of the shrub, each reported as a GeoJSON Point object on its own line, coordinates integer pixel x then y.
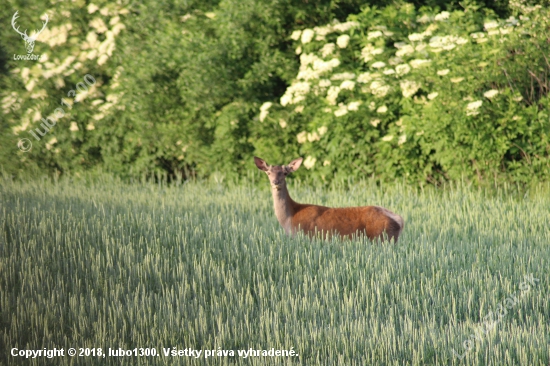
{"type": "Point", "coordinates": [397, 92]}
{"type": "Point", "coordinates": [187, 88]}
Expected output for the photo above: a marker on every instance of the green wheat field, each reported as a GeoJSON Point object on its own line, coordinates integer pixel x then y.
{"type": "Point", "coordinates": [205, 266]}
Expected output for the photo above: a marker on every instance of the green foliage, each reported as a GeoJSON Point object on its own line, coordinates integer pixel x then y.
{"type": "Point", "coordinates": [180, 85]}
{"type": "Point", "coordinates": [97, 263]}
{"type": "Point", "coordinates": [396, 92]}
{"type": "Point", "coordinates": [177, 93]}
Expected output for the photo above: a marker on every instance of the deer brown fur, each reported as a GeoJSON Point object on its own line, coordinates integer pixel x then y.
{"type": "Point", "coordinates": [373, 221]}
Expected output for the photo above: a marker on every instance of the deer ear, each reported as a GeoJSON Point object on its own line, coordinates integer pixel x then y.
{"type": "Point", "coordinates": [294, 165]}
{"type": "Point", "coordinates": [262, 165]}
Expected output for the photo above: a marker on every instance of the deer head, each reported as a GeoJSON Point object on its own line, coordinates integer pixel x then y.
{"type": "Point", "coordinates": [277, 174]}
{"type": "Point", "coordinates": [29, 41]}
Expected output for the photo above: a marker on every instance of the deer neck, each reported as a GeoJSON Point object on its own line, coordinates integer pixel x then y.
{"type": "Point", "coordinates": [284, 206]}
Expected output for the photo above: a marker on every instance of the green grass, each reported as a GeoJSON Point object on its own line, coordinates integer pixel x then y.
{"type": "Point", "coordinates": [196, 265]}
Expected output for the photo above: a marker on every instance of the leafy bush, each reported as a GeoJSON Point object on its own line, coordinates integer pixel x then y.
{"type": "Point", "coordinates": [397, 92]}
{"type": "Point", "coordinates": [176, 91]}
{"type": "Point", "coordinates": [180, 88]}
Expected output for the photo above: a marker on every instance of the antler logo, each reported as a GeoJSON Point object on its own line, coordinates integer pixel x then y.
{"type": "Point", "coordinates": [29, 41]}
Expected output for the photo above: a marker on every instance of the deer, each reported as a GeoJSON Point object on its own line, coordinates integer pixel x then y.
{"type": "Point", "coordinates": [377, 223]}
{"type": "Point", "coordinates": [29, 41]}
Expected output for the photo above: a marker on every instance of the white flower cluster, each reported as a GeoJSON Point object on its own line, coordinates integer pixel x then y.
{"type": "Point", "coordinates": [379, 89]}
{"type": "Point", "coordinates": [419, 63]}
{"type": "Point", "coordinates": [378, 65]}
{"type": "Point", "coordinates": [403, 49]}
{"type": "Point", "coordinates": [309, 162]}
{"type": "Point", "coordinates": [91, 48]}
{"type": "Point", "coordinates": [343, 109]}
{"type": "Point", "coordinates": [347, 84]}
{"type": "Point", "coordinates": [332, 94]}
{"type": "Point", "coordinates": [447, 43]}
{"type": "Point", "coordinates": [55, 36]}
{"type": "Point", "coordinates": [343, 76]}
{"type": "Point", "coordinates": [52, 69]}
{"type": "Point", "coordinates": [444, 15]}
{"type": "Point", "coordinates": [409, 88]}
{"type": "Point", "coordinates": [312, 67]}
{"type": "Point", "coordinates": [490, 94]}
{"type": "Point", "coordinates": [472, 108]}
{"type": "Point", "coordinates": [328, 49]}
{"type": "Point", "coordinates": [9, 101]}
{"type": "Point", "coordinates": [342, 41]}
{"type": "Point", "coordinates": [384, 74]}
{"type": "Point", "coordinates": [307, 35]}
{"type": "Point", "coordinates": [367, 77]}
{"type": "Point", "coordinates": [264, 110]}
{"type": "Point", "coordinates": [295, 93]}
{"type": "Point", "coordinates": [304, 136]}
{"type": "Point", "coordinates": [369, 51]}
{"type": "Point", "coordinates": [402, 69]}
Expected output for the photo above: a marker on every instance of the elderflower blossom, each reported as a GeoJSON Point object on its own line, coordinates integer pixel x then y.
{"type": "Point", "coordinates": [378, 65]}
{"type": "Point", "coordinates": [347, 84]}
{"type": "Point", "coordinates": [296, 35]}
{"type": "Point", "coordinates": [295, 93]}
{"type": "Point", "coordinates": [92, 8]}
{"type": "Point", "coordinates": [354, 106]}
{"type": "Point", "coordinates": [343, 76]}
{"type": "Point", "coordinates": [409, 88]}
{"type": "Point", "coordinates": [378, 89]}
{"type": "Point", "coordinates": [307, 35]}
{"type": "Point", "coordinates": [344, 27]}
{"type": "Point", "coordinates": [443, 72]}
{"type": "Point", "coordinates": [341, 111]}
{"type": "Point", "coordinates": [402, 139]}
{"type": "Point", "coordinates": [402, 69]}
{"type": "Point", "coordinates": [373, 35]}
{"type": "Point", "coordinates": [321, 32]}
{"type": "Point", "coordinates": [311, 137]}
{"type": "Point", "coordinates": [405, 50]}
{"type": "Point", "coordinates": [264, 110]}
{"type": "Point", "coordinates": [433, 95]}
{"type": "Point", "coordinates": [366, 52]}
{"type": "Point", "coordinates": [424, 19]}
{"type": "Point", "coordinates": [364, 77]}
{"type": "Point", "coordinates": [301, 137]}
{"type": "Point", "coordinates": [444, 15]}
{"type": "Point", "coordinates": [414, 37]}
{"type": "Point", "coordinates": [309, 162]}
{"type": "Point", "coordinates": [332, 94]}
{"type": "Point", "coordinates": [342, 41]}
{"type": "Point", "coordinates": [490, 93]}
{"type": "Point", "coordinates": [472, 108]}
{"type": "Point", "coordinates": [419, 63]}
{"type": "Point", "coordinates": [327, 49]}
{"type": "Point", "coordinates": [490, 25]}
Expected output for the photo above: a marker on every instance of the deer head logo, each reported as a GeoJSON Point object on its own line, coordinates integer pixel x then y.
{"type": "Point", "coordinates": [29, 41]}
